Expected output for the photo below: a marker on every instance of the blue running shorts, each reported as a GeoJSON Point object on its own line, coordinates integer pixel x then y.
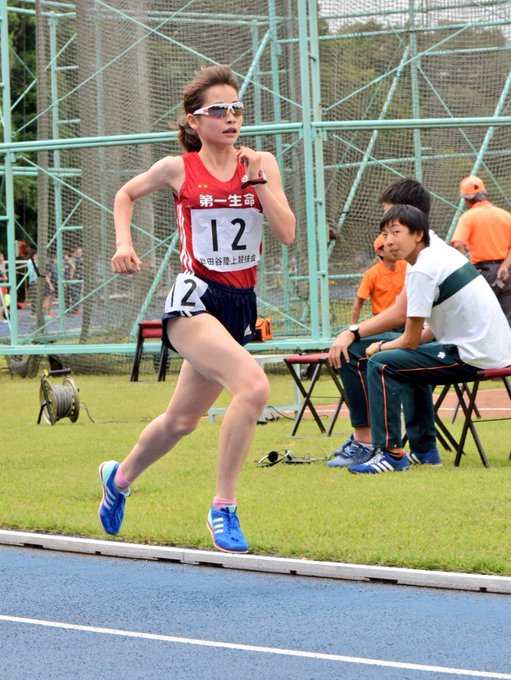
{"type": "Point", "coordinates": [235, 308]}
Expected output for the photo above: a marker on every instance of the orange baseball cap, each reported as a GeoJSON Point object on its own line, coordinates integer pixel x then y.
{"type": "Point", "coordinates": [471, 185]}
{"type": "Point", "coordinates": [379, 242]}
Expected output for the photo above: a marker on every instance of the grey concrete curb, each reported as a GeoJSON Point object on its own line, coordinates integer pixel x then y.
{"type": "Point", "coordinates": [275, 565]}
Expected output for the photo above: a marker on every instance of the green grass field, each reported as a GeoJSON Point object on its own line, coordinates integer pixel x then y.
{"type": "Point", "coordinates": [443, 518]}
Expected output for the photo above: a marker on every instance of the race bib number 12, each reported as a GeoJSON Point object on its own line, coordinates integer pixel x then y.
{"type": "Point", "coordinates": [227, 239]}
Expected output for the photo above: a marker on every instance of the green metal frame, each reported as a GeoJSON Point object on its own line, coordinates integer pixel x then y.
{"type": "Point", "coordinates": [311, 130]}
{"type": "Point", "coordinates": [8, 163]}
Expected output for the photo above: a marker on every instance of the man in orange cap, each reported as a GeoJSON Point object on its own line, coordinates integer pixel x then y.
{"type": "Point", "coordinates": [485, 230]}
{"type": "Point", "coordinates": [382, 282]}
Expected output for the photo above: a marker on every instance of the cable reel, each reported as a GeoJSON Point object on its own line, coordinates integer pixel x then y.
{"type": "Point", "coordinates": [58, 401]}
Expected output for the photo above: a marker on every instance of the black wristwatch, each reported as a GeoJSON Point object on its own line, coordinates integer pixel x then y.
{"type": "Point", "coordinates": [354, 328]}
{"type": "Point", "coordinates": [262, 178]}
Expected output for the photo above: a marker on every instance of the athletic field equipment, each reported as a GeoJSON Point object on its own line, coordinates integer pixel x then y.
{"type": "Point", "coordinates": [316, 362]}
{"type": "Point", "coordinates": [274, 457]}
{"type": "Point", "coordinates": [58, 401]}
{"type": "Point", "coordinates": [149, 330]}
{"type": "Point", "coordinates": [467, 396]}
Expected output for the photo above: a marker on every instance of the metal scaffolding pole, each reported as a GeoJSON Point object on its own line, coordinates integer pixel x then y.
{"type": "Point", "coordinates": [8, 217]}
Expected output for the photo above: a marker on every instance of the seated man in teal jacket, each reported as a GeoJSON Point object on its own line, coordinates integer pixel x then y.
{"type": "Point", "coordinates": [454, 328]}
{"type": "Point", "coordinates": [348, 354]}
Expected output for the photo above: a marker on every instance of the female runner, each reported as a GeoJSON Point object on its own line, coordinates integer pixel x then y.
{"type": "Point", "coordinates": [220, 194]}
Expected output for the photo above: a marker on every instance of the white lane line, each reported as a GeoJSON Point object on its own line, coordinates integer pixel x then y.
{"type": "Point", "coordinates": [256, 648]}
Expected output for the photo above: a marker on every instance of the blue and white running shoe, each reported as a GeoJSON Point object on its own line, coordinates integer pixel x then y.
{"type": "Point", "coordinates": [381, 462]}
{"type": "Point", "coordinates": [351, 453]}
{"type": "Point", "coordinates": [224, 527]}
{"type": "Point", "coordinates": [344, 446]}
{"type": "Point", "coordinates": [431, 457]}
{"type": "Point", "coordinates": [111, 509]}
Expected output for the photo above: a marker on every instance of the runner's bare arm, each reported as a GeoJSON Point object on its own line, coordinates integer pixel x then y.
{"type": "Point", "coordinates": [167, 172]}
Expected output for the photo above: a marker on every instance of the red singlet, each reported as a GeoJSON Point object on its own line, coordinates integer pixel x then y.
{"type": "Point", "coordinates": [220, 225]}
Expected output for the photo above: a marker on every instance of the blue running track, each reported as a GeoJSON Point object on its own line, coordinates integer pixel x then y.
{"type": "Point", "coordinates": [82, 617]}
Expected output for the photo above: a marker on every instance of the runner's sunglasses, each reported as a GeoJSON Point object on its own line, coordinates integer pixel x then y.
{"type": "Point", "coordinates": [221, 110]}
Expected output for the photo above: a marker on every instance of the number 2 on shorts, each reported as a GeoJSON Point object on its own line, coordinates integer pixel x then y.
{"type": "Point", "coordinates": [185, 295]}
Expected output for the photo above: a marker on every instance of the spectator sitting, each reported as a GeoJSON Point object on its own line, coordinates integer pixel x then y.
{"type": "Point", "coordinates": [348, 355]}
{"type": "Point", "coordinates": [440, 345]}
{"type": "Point", "coordinates": [382, 282]}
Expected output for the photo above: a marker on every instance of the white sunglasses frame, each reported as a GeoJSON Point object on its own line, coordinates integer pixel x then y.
{"type": "Point", "coordinates": [226, 106]}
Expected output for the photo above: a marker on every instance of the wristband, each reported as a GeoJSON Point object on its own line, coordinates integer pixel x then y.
{"type": "Point", "coordinates": [380, 343]}
{"type": "Point", "coordinates": [262, 178]}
